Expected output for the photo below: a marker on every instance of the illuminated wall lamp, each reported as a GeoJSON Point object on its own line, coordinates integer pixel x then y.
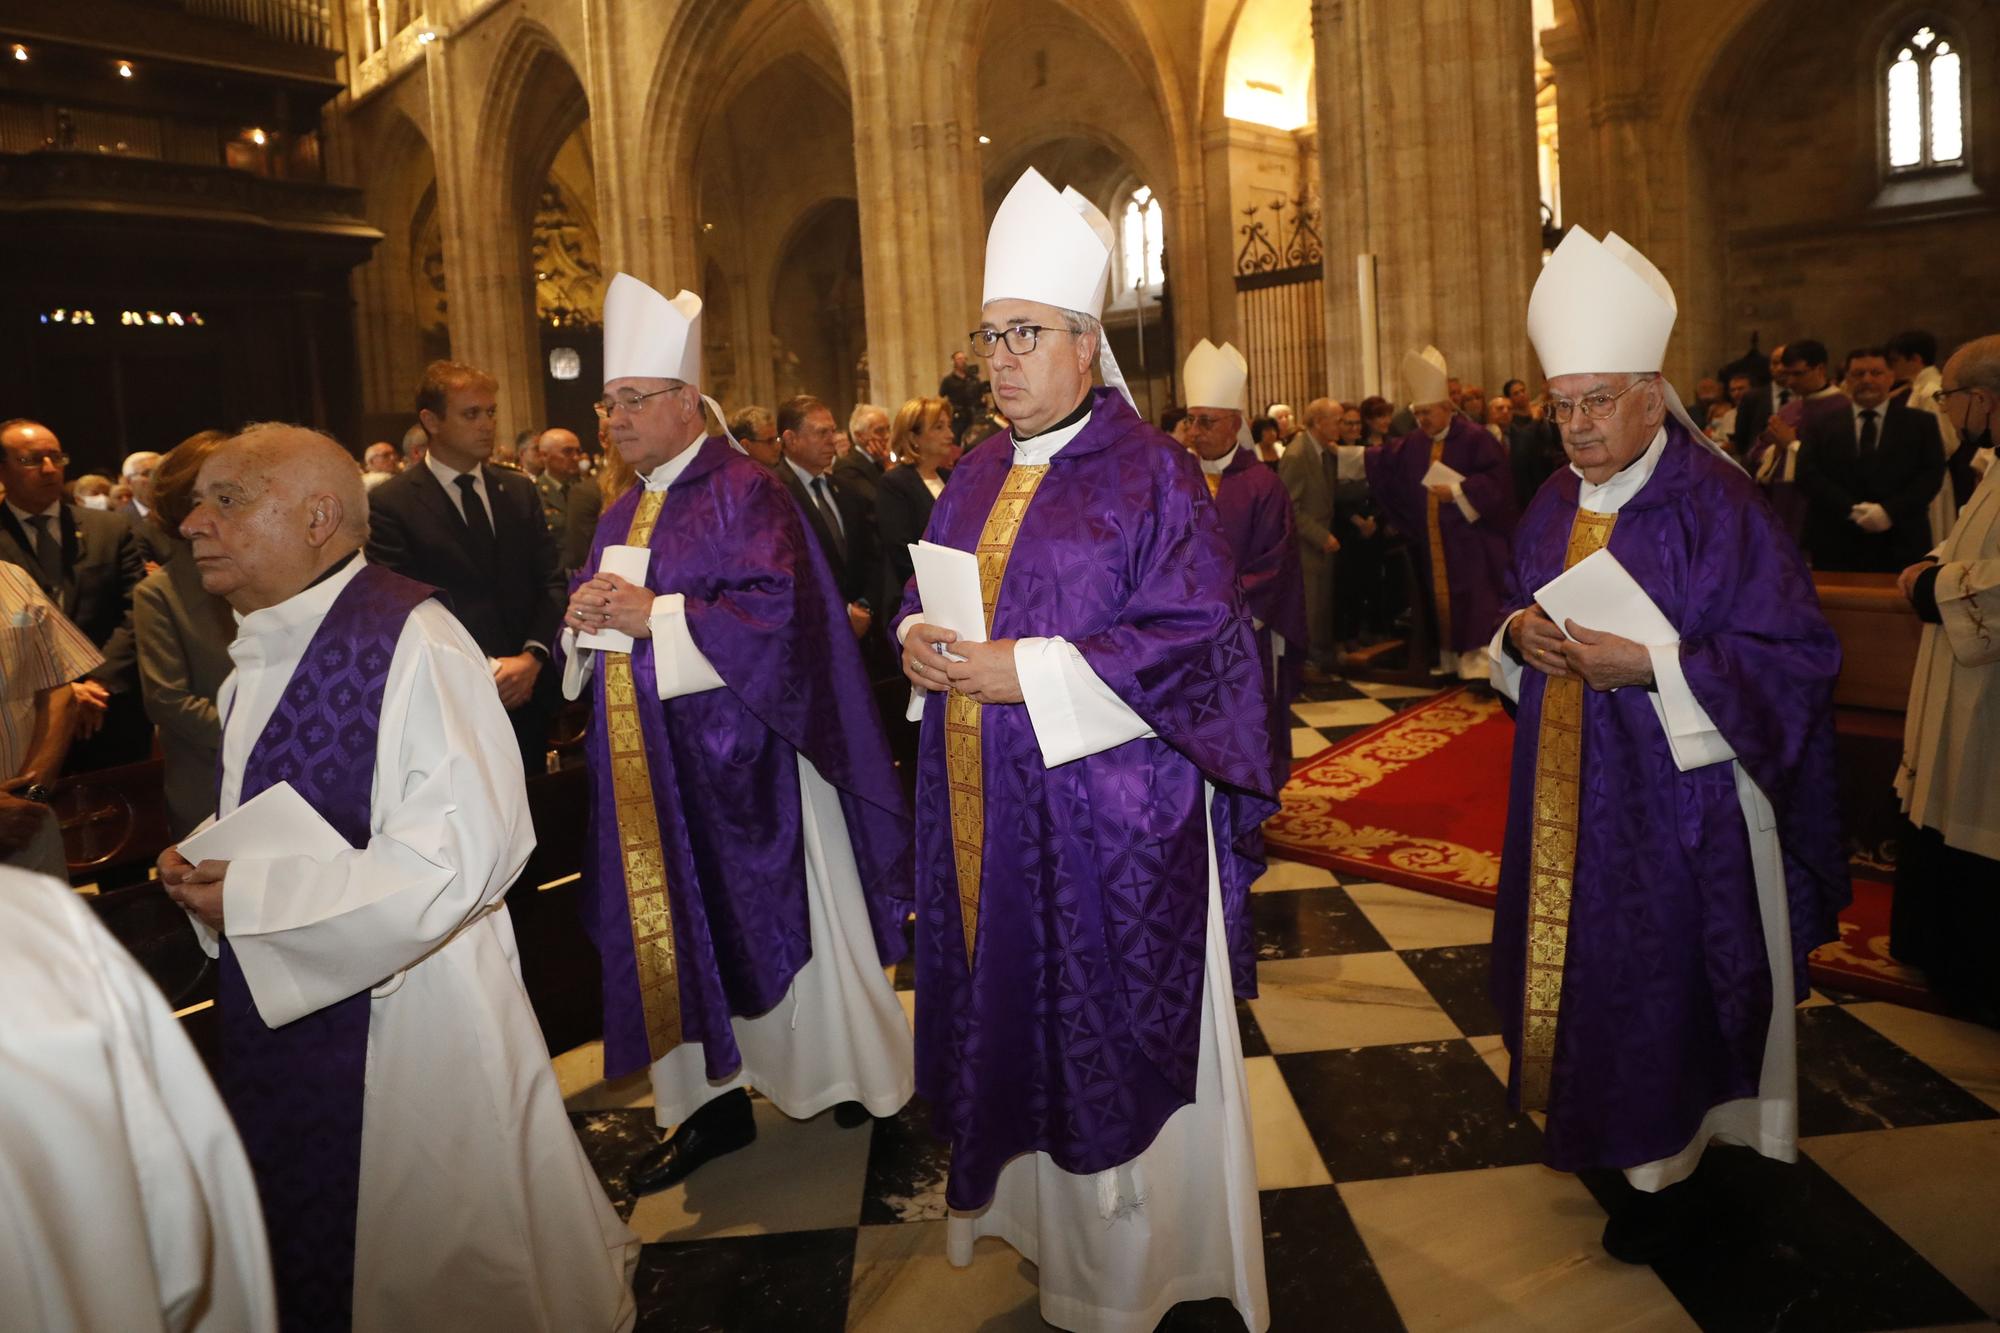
{"type": "Point", "coordinates": [257, 137]}
{"type": "Point", "coordinates": [20, 52]}
{"type": "Point", "coordinates": [124, 69]}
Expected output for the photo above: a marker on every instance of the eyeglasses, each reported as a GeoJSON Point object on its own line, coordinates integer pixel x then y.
{"type": "Point", "coordinates": [1020, 338]}
{"type": "Point", "coordinates": [1596, 406]}
{"type": "Point", "coordinates": [36, 462]}
{"type": "Point", "coordinates": [1202, 421]}
{"type": "Point", "coordinates": [633, 403]}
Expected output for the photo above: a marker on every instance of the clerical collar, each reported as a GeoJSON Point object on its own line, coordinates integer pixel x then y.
{"type": "Point", "coordinates": [1041, 448]}
{"type": "Point", "coordinates": [1621, 486]}
{"type": "Point", "coordinates": [667, 473]}
{"type": "Point", "coordinates": [1217, 466]}
{"type": "Point", "coordinates": [303, 608]}
{"type": "Point", "coordinates": [332, 569]}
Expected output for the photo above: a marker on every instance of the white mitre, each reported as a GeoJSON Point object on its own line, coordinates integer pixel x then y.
{"type": "Point", "coordinates": [1424, 378]}
{"type": "Point", "coordinates": [1219, 377]}
{"type": "Point", "coordinates": [648, 336]}
{"type": "Point", "coordinates": [1054, 248]}
{"type": "Point", "coordinates": [1601, 307]}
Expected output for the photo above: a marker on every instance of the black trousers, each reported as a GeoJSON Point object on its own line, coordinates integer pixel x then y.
{"type": "Point", "coordinates": [1945, 920]}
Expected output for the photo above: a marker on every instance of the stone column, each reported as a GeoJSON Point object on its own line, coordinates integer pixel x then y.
{"type": "Point", "coordinates": [1426, 144]}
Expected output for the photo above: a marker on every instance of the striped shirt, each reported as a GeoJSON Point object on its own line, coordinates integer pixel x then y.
{"type": "Point", "coordinates": [39, 650]}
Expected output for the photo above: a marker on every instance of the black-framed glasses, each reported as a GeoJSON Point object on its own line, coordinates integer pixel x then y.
{"type": "Point", "coordinates": [633, 403]}
{"type": "Point", "coordinates": [1020, 338]}
{"type": "Point", "coordinates": [1596, 406]}
{"type": "Point", "coordinates": [1943, 394]}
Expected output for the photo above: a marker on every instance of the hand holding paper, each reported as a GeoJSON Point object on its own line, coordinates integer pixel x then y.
{"type": "Point", "coordinates": [631, 564]}
{"type": "Point", "coordinates": [1440, 475]}
{"type": "Point", "coordinates": [948, 586]}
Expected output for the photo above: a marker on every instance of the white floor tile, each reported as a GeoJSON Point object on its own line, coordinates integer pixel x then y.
{"type": "Point", "coordinates": [1280, 874]}
{"type": "Point", "coordinates": [1343, 713]}
{"type": "Point", "coordinates": [758, 1189]}
{"type": "Point", "coordinates": [1349, 1000]}
{"type": "Point", "coordinates": [1965, 1053]}
{"type": "Point", "coordinates": [1411, 920]}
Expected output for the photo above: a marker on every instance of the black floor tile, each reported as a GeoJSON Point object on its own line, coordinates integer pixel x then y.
{"type": "Point", "coordinates": [1457, 978]}
{"type": "Point", "coordinates": [1319, 1274]}
{"type": "Point", "coordinates": [613, 1141]}
{"type": "Point", "coordinates": [1382, 1111]}
{"type": "Point", "coordinates": [791, 1282]}
{"type": "Point", "coordinates": [1331, 692]}
{"type": "Point", "coordinates": [1792, 1250]}
{"type": "Point", "coordinates": [1216, 1315]}
{"type": "Point", "coordinates": [907, 1168]}
{"type": "Point", "coordinates": [1311, 923]}
{"type": "Point", "coordinates": [1252, 1036]}
{"type": "Point", "coordinates": [1853, 1078]}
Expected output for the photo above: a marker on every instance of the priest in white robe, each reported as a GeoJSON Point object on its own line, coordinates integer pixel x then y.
{"type": "Point", "coordinates": [125, 1199]}
{"type": "Point", "coordinates": [381, 1059]}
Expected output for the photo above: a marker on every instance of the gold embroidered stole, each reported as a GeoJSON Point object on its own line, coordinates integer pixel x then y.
{"type": "Point", "coordinates": [964, 771]}
{"type": "Point", "coordinates": [1552, 867]}
{"type": "Point", "coordinates": [1440, 582]}
{"type": "Point", "coordinates": [639, 831]}
{"type": "Point", "coordinates": [1214, 480]}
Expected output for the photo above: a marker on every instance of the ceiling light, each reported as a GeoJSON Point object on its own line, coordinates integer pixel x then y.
{"type": "Point", "coordinates": [257, 137]}
{"type": "Point", "coordinates": [984, 140]}
{"type": "Point", "coordinates": [20, 51]}
{"type": "Point", "coordinates": [124, 69]}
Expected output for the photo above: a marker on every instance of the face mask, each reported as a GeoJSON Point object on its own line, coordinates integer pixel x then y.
{"type": "Point", "coordinates": [96, 502]}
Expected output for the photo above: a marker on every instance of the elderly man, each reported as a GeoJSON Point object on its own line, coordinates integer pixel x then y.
{"type": "Point", "coordinates": [137, 475]}
{"type": "Point", "coordinates": [378, 1050]}
{"type": "Point", "coordinates": [1947, 906]}
{"type": "Point", "coordinates": [1093, 768]}
{"type": "Point", "coordinates": [416, 444]}
{"type": "Point", "coordinates": [87, 563]}
{"type": "Point", "coordinates": [861, 467]}
{"type": "Point", "coordinates": [1673, 847]}
{"type": "Point", "coordinates": [1447, 485]}
{"type": "Point", "coordinates": [1310, 473]}
{"type": "Point", "coordinates": [750, 848]}
{"type": "Point", "coordinates": [561, 455]}
{"type": "Point", "coordinates": [1287, 422]}
{"type": "Point", "coordinates": [379, 462]}
{"type": "Point", "coordinates": [1257, 522]}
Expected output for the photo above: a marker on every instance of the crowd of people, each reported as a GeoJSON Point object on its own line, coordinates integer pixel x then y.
{"type": "Point", "coordinates": [1101, 637]}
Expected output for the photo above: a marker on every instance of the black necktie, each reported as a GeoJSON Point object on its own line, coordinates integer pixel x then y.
{"type": "Point", "coordinates": [1784, 396]}
{"type": "Point", "coordinates": [1867, 431]}
{"type": "Point", "coordinates": [48, 549]}
{"type": "Point", "coordinates": [476, 520]}
{"type": "Point", "coordinates": [824, 496]}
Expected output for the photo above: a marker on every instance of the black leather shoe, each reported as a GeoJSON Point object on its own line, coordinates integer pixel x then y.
{"type": "Point", "coordinates": [718, 1128]}
{"type": "Point", "coordinates": [851, 1115]}
{"type": "Point", "coordinates": [1646, 1228]}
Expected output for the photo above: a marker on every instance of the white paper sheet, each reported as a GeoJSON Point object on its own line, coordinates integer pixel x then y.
{"type": "Point", "coordinates": [629, 563]}
{"type": "Point", "coordinates": [1440, 475]}
{"type": "Point", "coordinates": [1598, 594]}
{"type": "Point", "coordinates": [948, 585]}
{"type": "Point", "coordinates": [275, 822]}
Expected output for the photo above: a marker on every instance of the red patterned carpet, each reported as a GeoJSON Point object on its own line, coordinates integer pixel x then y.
{"type": "Point", "coordinates": [1421, 801]}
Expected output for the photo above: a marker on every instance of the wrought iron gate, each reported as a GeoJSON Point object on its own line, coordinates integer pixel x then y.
{"type": "Point", "coordinates": [1279, 311]}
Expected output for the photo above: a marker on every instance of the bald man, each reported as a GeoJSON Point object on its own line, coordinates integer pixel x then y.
{"type": "Point", "coordinates": [379, 1054]}
{"type": "Point", "coordinates": [561, 455]}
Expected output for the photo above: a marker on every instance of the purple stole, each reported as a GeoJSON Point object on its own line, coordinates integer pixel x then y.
{"type": "Point", "coordinates": [295, 1091]}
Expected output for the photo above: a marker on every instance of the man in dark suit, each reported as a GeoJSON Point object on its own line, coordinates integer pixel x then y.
{"type": "Point", "coordinates": [87, 562]}
{"type": "Point", "coordinates": [841, 520]}
{"type": "Point", "coordinates": [1868, 475]}
{"type": "Point", "coordinates": [860, 469]}
{"type": "Point", "coordinates": [477, 533]}
{"type": "Point", "coordinates": [1757, 406]}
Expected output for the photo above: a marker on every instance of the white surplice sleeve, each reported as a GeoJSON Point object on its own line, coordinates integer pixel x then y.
{"type": "Point", "coordinates": [679, 666]}
{"type": "Point", "coordinates": [1073, 711]}
{"type": "Point", "coordinates": [1506, 673]}
{"type": "Point", "coordinates": [450, 829]}
{"type": "Point", "coordinates": [577, 666]}
{"type": "Point", "coordinates": [1968, 601]}
{"type": "Point", "coordinates": [1691, 735]}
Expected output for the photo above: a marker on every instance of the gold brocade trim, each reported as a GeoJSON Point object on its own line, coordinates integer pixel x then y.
{"type": "Point", "coordinates": [963, 759]}
{"type": "Point", "coordinates": [1214, 480]}
{"type": "Point", "coordinates": [1552, 864]}
{"type": "Point", "coordinates": [639, 833]}
{"type": "Point", "coordinates": [1440, 577]}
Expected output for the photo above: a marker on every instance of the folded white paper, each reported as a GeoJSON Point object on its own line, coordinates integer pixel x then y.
{"type": "Point", "coordinates": [629, 563]}
{"type": "Point", "coordinates": [1440, 475]}
{"type": "Point", "coordinates": [275, 822]}
{"type": "Point", "coordinates": [1598, 594]}
{"type": "Point", "coordinates": [948, 586]}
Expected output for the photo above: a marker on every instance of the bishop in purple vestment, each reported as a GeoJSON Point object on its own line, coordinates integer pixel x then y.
{"type": "Point", "coordinates": [750, 844]}
{"type": "Point", "coordinates": [1673, 849]}
{"type": "Point", "coordinates": [1464, 525]}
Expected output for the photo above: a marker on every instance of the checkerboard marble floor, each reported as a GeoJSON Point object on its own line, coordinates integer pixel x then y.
{"type": "Point", "coordinates": [1398, 1191]}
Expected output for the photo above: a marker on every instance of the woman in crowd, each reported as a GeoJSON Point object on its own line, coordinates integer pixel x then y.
{"type": "Point", "coordinates": [183, 633]}
{"type": "Point", "coordinates": [920, 440]}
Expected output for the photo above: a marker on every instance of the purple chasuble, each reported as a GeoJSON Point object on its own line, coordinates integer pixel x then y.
{"type": "Point", "coordinates": [295, 1092]}
{"type": "Point", "coordinates": [1257, 523]}
{"type": "Point", "coordinates": [1666, 996]}
{"type": "Point", "coordinates": [1475, 554]}
{"type": "Point", "coordinates": [1079, 1032]}
{"type": "Point", "coordinates": [763, 607]}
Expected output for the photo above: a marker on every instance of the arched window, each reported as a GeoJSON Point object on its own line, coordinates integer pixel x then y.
{"type": "Point", "coordinates": [1924, 101]}
{"type": "Point", "coordinates": [1141, 245]}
